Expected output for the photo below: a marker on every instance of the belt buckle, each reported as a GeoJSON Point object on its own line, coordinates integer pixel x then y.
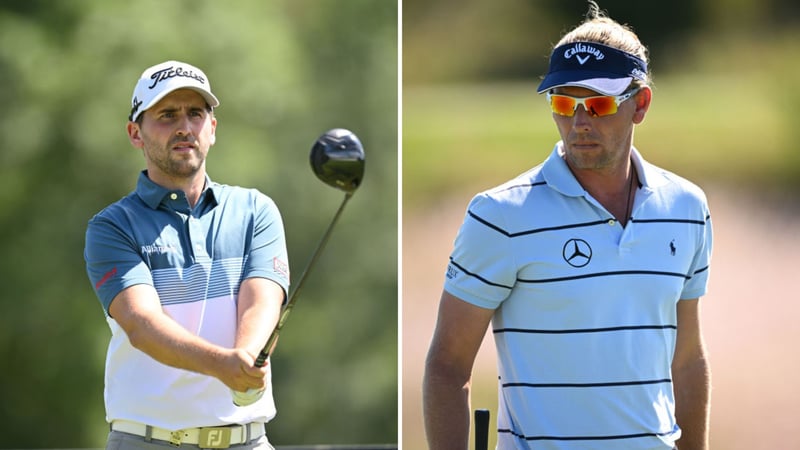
{"type": "Point", "coordinates": [175, 438]}
{"type": "Point", "coordinates": [215, 437]}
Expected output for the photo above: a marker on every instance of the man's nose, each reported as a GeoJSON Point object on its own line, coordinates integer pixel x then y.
{"type": "Point", "coordinates": [581, 120]}
{"type": "Point", "coordinates": [183, 127]}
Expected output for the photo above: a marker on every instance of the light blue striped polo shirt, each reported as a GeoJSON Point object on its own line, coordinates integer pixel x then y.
{"type": "Point", "coordinates": [196, 259]}
{"type": "Point", "coordinates": [585, 320]}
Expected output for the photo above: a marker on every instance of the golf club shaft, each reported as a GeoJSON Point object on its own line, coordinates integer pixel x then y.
{"type": "Point", "coordinates": [481, 429]}
{"type": "Point", "coordinates": [337, 159]}
{"type": "Point", "coordinates": [251, 395]}
{"type": "Point", "coordinates": [265, 352]}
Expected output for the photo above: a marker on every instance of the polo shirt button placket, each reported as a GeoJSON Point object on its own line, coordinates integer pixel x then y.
{"type": "Point", "coordinates": [196, 237]}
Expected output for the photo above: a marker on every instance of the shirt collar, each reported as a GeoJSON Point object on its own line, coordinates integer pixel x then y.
{"type": "Point", "coordinates": [558, 176]}
{"type": "Point", "coordinates": [153, 194]}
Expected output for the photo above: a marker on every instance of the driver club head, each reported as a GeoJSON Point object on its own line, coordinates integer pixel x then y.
{"type": "Point", "coordinates": [337, 159]}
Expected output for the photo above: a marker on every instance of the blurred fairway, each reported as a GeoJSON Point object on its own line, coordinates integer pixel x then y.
{"type": "Point", "coordinates": [730, 121]}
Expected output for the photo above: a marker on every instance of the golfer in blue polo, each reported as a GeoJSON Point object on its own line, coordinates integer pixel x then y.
{"type": "Point", "coordinates": [191, 275]}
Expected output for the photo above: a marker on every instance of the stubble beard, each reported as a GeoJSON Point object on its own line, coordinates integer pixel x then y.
{"type": "Point", "coordinates": [171, 164]}
{"type": "Point", "coordinates": [580, 160]}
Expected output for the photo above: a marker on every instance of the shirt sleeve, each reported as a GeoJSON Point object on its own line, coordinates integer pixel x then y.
{"type": "Point", "coordinates": [697, 285]}
{"type": "Point", "coordinates": [113, 262]}
{"type": "Point", "coordinates": [482, 269]}
{"type": "Point", "coordinates": [267, 257]}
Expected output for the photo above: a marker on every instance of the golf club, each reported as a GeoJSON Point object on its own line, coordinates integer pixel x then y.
{"type": "Point", "coordinates": [337, 158]}
{"type": "Point", "coordinates": [481, 429]}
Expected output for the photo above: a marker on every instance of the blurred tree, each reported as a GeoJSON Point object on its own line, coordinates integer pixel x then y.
{"type": "Point", "coordinates": [473, 40]}
{"type": "Point", "coordinates": [285, 71]}
{"type": "Point", "coordinates": [697, 46]}
{"type": "Point", "coordinates": [449, 40]}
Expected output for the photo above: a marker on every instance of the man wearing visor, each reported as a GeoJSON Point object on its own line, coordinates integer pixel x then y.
{"type": "Point", "coordinates": [589, 268]}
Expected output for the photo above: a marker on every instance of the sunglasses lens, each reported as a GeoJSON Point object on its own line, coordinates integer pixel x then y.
{"type": "Point", "coordinates": [600, 106]}
{"type": "Point", "coordinates": [562, 105]}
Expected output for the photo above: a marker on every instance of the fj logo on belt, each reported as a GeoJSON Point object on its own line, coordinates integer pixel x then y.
{"type": "Point", "coordinates": [215, 438]}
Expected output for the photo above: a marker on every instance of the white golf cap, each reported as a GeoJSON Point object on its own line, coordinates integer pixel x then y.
{"type": "Point", "coordinates": [158, 81]}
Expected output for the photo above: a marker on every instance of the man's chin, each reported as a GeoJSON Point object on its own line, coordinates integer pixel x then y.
{"type": "Point", "coordinates": [184, 169]}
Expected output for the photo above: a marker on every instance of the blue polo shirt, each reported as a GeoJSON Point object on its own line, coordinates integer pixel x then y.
{"type": "Point", "coordinates": [196, 258]}
{"type": "Point", "coordinates": [585, 320]}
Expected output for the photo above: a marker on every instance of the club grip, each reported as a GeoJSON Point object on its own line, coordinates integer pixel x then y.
{"type": "Point", "coordinates": [262, 358]}
{"type": "Point", "coordinates": [481, 429]}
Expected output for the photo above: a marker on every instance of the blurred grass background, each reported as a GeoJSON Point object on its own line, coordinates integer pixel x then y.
{"type": "Point", "coordinates": [285, 71]}
{"type": "Point", "coordinates": [724, 114]}
{"type": "Point", "coordinates": [725, 91]}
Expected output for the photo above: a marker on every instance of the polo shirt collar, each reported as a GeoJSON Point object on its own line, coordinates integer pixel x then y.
{"type": "Point", "coordinates": [559, 177]}
{"type": "Point", "coordinates": [153, 194]}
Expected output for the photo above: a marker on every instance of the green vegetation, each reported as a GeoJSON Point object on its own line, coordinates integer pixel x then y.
{"type": "Point", "coordinates": [724, 115]}
{"type": "Point", "coordinates": [285, 72]}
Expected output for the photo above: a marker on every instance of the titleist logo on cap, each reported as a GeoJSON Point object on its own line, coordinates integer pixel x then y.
{"type": "Point", "coordinates": [171, 72]}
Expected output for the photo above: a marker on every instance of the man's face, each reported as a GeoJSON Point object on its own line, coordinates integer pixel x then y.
{"type": "Point", "coordinates": [175, 135]}
{"type": "Point", "coordinates": [599, 143]}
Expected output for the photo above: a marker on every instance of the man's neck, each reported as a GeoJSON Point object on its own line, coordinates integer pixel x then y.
{"type": "Point", "coordinates": [614, 188]}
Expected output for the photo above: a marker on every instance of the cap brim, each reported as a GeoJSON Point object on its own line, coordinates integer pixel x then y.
{"type": "Point", "coordinates": [207, 96]}
{"type": "Point", "coordinates": [605, 86]}
{"type": "Point", "coordinates": [210, 98]}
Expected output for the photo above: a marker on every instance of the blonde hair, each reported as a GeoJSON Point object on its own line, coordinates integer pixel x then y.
{"type": "Point", "coordinates": [601, 29]}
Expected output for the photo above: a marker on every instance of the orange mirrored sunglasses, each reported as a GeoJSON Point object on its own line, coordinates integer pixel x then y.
{"type": "Point", "coordinates": [596, 106]}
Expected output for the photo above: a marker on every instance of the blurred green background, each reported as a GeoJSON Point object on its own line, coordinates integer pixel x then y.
{"type": "Point", "coordinates": [285, 71]}
{"type": "Point", "coordinates": [725, 73]}
{"type": "Point", "coordinates": [723, 115]}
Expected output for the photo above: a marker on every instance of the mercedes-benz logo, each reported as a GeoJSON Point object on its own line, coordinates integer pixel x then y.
{"type": "Point", "coordinates": [577, 252]}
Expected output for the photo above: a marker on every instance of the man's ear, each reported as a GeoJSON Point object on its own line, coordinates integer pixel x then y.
{"type": "Point", "coordinates": [213, 138]}
{"type": "Point", "coordinates": [642, 99]}
{"type": "Point", "coordinates": [135, 135]}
